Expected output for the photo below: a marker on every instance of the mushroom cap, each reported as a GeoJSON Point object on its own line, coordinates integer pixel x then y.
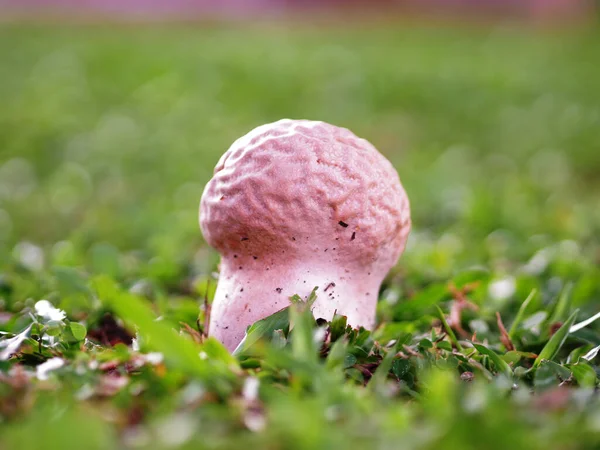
{"type": "Point", "coordinates": [297, 188]}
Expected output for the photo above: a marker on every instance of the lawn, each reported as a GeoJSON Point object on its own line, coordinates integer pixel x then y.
{"type": "Point", "coordinates": [107, 137]}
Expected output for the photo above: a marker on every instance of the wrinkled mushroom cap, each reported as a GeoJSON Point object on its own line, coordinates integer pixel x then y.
{"type": "Point", "coordinates": [297, 188]}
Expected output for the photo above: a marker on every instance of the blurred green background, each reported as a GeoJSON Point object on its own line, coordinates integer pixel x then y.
{"type": "Point", "coordinates": [109, 133]}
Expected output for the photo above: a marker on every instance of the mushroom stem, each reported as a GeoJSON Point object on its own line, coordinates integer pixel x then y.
{"type": "Point", "coordinates": [248, 291]}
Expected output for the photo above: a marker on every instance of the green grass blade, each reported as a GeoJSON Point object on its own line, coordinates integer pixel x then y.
{"type": "Point", "coordinates": [521, 314]}
{"type": "Point", "coordinates": [180, 351]}
{"type": "Point", "coordinates": [449, 330]}
{"type": "Point", "coordinates": [561, 311]}
{"type": "Point", "coordinates": [380, 376]}
{"type": "Point", "coordinates": [584, 374]}
{"type": "Point", "coordinates": [501, 365]}
{"type": "Point", "coordinates": [303, 323]}
{"type": "Point", "coordinates": [263, 329]}
{"type": "Point", "coordinates": [556, 341]}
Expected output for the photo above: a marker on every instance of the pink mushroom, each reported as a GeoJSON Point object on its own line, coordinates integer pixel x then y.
{"type": "Point", "coordinates": [297, 204]}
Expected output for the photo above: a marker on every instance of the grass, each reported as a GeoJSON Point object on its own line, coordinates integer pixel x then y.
{"type": "Point", "coordinates": [107, 136]}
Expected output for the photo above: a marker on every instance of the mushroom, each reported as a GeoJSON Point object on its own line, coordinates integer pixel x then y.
{"type": "Point", "coordinates": [297, 204]}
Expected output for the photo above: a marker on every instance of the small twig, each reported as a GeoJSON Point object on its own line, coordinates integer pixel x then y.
{"type": "Point", "coordinates": [440, 338]}
{"type": "Point", "coordinates": [207, 310]}
{"type": "Point", "coordinates": [366, 370]}
{"type": "Point", "coordinates": [504, 337]}
{"type": "Point", "coordinates": [411, 352]}
{"type": "Point", "coordinates": [196, 335]}
{"type": "Point", "coordinates": [461, 302]}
